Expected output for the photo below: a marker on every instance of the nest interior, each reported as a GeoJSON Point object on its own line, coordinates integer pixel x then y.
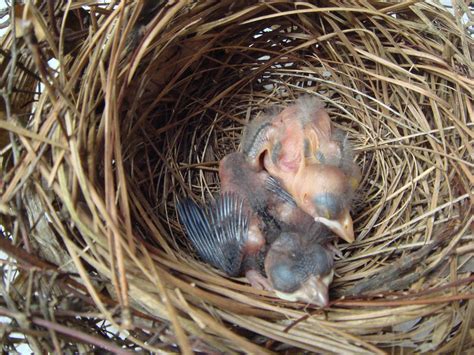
{"type": "Point", "coordinates": [148, 97]}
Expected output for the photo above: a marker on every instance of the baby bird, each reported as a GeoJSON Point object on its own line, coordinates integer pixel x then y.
{"type": "Point", "coordinates": [255, 226]}
{"type": "Point", "coordinates": [300, 269]}
{"type": "Point", "coordinates": [312, 161]}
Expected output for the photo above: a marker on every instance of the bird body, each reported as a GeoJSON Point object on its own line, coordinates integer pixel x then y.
{"type": "Point", "coordinates": [312, 161]}
{"type": "Point", "coordinates": [266, 231]}
{"type": "Point", "coordinates": [282, 199]}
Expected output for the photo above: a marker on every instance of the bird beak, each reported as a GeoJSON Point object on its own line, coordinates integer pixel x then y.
{"type": "Point", "coordinates": [343, 226]}
{"type": "Point", "coordinates": [314, 291]}
{"type": "Point", "coordinates": [317, 291]}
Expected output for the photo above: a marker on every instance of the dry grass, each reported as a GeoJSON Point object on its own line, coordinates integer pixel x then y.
{"type": "Point", "coordinates": [144, 104]}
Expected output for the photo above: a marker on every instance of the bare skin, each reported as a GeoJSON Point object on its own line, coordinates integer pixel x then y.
{"type": "Point", "coordinates": [299, 148]}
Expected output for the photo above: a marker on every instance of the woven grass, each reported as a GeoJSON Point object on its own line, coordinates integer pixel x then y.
{"type": "Point", "coordinates": [144, 103]}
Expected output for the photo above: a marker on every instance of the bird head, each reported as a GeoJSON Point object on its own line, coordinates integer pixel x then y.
{"type": "Point", "coordinates": [300, 270]}
{"type": "Point", "coordinates": [325, 193]}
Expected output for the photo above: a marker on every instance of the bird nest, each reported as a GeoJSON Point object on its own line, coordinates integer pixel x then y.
{"type": "Point", "coordinates": [145, 99]}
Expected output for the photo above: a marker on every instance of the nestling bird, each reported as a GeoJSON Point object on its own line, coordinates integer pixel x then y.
{"type": "Point", "coordinates": [312, 161]}
{"type": "Point", "coordinates": [255, 226]}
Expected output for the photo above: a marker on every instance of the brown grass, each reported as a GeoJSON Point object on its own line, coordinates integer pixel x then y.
{"type": "Point", "coordinates": [145, 102]}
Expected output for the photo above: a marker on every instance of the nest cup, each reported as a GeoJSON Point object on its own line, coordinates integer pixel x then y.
{"type": "Point", "coordinates": [149, 97]}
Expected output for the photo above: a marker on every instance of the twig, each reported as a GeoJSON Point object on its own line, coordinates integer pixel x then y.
{"type": "Point", "coordinates": [421, 301]}
{"type": "Point", "coordinates": [391, 276]}
{"type": "Point", "coordinates": [70, 332]}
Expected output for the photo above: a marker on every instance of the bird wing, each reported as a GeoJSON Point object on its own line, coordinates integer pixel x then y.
{"type": "Point", "coordinates": [276, 137]}
{"type": "Point", "coordinates": [255, 138]}
{"type": "Point", "coordinates": [272, 185]}
{"type": "Point", "coordinates": [219, 232]}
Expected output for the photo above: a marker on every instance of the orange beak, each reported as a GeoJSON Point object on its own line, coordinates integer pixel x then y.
{"type": "Point", "coordinates": [343, 226]}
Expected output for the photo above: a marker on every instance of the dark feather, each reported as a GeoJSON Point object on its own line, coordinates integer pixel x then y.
{"type": "Point", "coordinates": [254, 137]}
{"type": "Point", "coordinates": [218, 233]}
{"type": "Point", "coordinates": [271, 184]}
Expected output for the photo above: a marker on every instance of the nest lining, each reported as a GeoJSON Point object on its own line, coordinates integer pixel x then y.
{"type": "Point", "coordinates": [153, 98]}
